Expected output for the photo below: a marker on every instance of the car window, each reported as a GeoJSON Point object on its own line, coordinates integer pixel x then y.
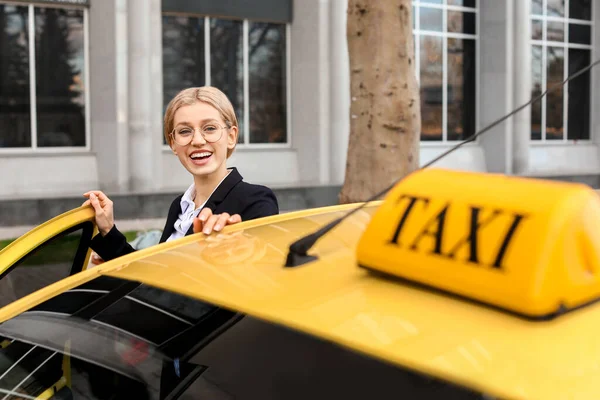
{"type": "Point", "coordinates": [161, 323]}
{"type": "Point", "coordinates": [50, 262]}
{"type": "Point", "coordinates": [66, 357]}
{"type": "Point", "coordinates": [180, 306]}
{"type": "Point", "coordinates": [152, 314]}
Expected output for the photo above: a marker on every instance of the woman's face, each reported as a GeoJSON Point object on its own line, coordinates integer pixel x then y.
{"type": "Point", "coordinates": [199, 157]}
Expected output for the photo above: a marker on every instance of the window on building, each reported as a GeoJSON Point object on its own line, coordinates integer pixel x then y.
{"type": "Point", "coordinates": [445, 34]}
{"type": "Point", "coordinates": [42, 77]}
{"type": "Point", "coordinates": [247, 60]}
{"type": "Point", "coordinates": [183, 54]}
{"type": "Point", "coordinates": [561, 44]}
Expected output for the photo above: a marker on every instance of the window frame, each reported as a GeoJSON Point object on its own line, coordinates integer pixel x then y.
{"type": "Point", "coordinates": [544, 43]}
{"type": "Point", "coordinates": [80, 258]}
{"type": "Point", "coordinates": [445, 35]}
{"type": "Point", "coordinates": [34, 149]}
{"type": "Point", "coordinates": [245, 145]}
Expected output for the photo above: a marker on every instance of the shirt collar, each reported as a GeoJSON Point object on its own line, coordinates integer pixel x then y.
{"type": "Point", "coordinates": [187, 200]}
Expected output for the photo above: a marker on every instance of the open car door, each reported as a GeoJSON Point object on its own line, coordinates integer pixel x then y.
{"type": "Point", "coordinates": [48, 253]}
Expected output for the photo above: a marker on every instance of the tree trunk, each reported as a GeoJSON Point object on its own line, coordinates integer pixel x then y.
{"type": "Point", "coordinates": [385, 112]}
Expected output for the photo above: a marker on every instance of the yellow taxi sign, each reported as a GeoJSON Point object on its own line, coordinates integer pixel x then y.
{"type": "Point", "coordinates": [525, 245]}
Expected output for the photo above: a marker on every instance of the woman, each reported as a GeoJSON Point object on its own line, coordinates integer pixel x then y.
{"type": "Point", "coordinates": [201, 128]}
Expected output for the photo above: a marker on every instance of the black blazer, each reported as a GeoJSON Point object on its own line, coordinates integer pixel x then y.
{"type": "Point", "coordinates": [233, 196]}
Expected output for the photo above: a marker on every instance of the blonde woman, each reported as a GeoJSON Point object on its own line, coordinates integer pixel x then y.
{"type": "Point", "coordinates": [201, 128]}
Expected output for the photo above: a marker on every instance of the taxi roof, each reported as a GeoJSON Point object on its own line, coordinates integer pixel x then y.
{"type": "Point", "coordinates": [454, 339]}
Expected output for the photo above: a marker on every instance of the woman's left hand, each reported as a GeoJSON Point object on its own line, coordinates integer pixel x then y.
{"type": "Point", "coordinates": [207, 222]}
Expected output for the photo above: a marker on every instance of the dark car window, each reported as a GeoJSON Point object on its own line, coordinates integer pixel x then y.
{"type": "Point", "coordinates": [50, 262]}
{"type": "Point", "coordinates": [258, 360]}
{"type": "Point", "coordinates": [69, 356]}
{"type": "Point", "coordinates": [41, 370]}
{"type": "Point", "coordinates": [152, 314]}
{"type": "Point", "coordinates": [168, 324]}
{"type": "Point", "coordinates": [177, 305]}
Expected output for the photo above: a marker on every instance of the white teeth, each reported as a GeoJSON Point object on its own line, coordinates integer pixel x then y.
{"type": "Point", "coordinates": [200, 155]}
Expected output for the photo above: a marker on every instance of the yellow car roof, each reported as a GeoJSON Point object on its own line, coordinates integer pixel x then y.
{"type": "Point", "coordinates": [482, 348]}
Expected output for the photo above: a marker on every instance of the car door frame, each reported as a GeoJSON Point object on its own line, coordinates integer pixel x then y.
{"type": "Point", "coordinates": [59, 226]}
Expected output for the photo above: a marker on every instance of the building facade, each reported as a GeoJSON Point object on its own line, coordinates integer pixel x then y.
{"type": "Point", "coordinates": [84, 84]}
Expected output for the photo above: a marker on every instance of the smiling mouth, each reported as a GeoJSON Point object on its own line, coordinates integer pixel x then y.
{"type": "Point", "coordinates": [200, 157]}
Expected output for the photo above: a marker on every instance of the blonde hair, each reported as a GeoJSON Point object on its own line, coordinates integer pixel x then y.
{"type": "Point", "coordinates": [206, 94]}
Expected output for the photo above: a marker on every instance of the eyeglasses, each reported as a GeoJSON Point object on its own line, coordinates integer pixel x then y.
{"type": "Point", "coordinates": [211, 132]}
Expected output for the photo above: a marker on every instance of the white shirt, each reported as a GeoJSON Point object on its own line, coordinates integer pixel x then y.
{"type": "Point", "coordinates": [188, 212]}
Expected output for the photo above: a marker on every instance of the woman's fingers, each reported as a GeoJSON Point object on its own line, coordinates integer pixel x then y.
{"type": "Point", "coordinates": [210, 224]}
{"type": "Point", "coordinates": [96, 259]}
{"type": "Point", "coordinates": [199, 221]}
{"type": "Point", "coordinates": [204, 214]}
{"type": "Point", "coordinates": [98, 193]}
{"type": "Point", "coordinates": [103, 199]}
{"type": "Point", "coordinates": [226, 219]}
{"type": "Point", "coordinates": [96, 204]}
{"type": "Point", "coordinates": [103, 207]}
{"type": "Point", "coordinates": [197, 225]}
{"type": "Point", "coordinates": [207, 222]}
{"type": "Point", "coordinates": [221, 221]}
{"type": "Point", "coordinates": [234, 219]}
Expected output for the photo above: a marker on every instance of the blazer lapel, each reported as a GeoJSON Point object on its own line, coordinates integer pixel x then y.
{"type": "Point", "coordinates": [219, 194]}
{"type": "Point", "coordinates": [171, 218]}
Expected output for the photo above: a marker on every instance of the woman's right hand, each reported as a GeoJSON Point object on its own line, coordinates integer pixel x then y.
{"type": "Point", "coordinates": [96, 259]}
{"type": "Point", "coordinates": [103, 206]}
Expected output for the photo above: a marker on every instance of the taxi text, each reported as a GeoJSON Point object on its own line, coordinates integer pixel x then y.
{"type": "Point", "coordinates": [474, 226]}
